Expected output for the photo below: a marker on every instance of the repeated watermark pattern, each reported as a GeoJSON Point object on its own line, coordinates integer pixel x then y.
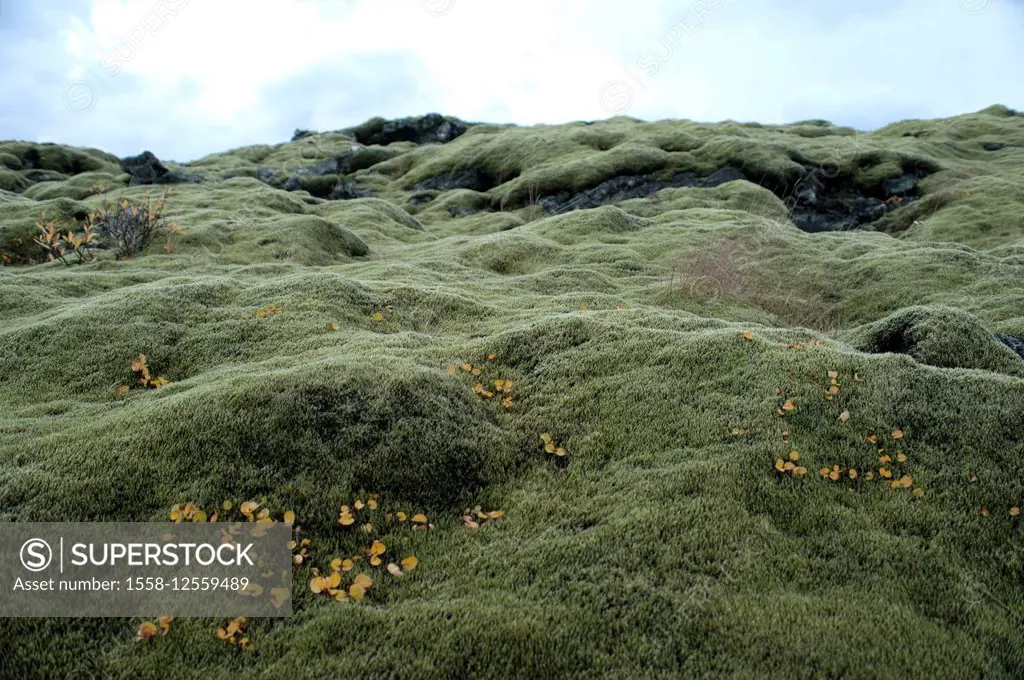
{"type": "Point", "coordinates": [975, 6]}
{"type": "Point", "coordinates": [437, 8]}
{"type": "Point", "coordinates": [616, 96]}
{"type": "Point", "coordinates": [80, 95]}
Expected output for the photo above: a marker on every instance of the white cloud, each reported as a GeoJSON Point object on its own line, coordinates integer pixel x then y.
{"type": "Point", "coordinates": [213, 75]}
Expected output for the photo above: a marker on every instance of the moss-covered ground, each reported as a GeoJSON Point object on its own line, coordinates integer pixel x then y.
{"type": "Point", "coordinates": [676, 346]}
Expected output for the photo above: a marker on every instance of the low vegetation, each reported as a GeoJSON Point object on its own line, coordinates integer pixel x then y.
{"type": "Point", "coordinates": [671, 436]}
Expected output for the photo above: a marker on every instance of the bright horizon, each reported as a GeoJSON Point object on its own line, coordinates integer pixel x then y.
{"type": "Point", "coordinates": [185, 79]}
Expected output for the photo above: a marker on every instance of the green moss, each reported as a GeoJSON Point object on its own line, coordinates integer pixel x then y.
{"type": "Point", "coordinates": [13, 181]}
{"type": "Point", "coordinates": [939, 336]}
{"type": "Point", "coordinates": [10, 161]}
{"type": "Point", "coordinates": [663, 546]}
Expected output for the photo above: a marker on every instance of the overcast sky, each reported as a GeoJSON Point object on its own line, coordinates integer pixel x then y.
{"type": "Point", "coordinates": [185, 78]}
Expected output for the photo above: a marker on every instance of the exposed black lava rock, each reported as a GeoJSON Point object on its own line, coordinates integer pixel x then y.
{"type": "Point", "coordinates": [1014, 342]}
{"type": "Point", "coordinates": [614, 190]}
{"type": "Point", "coordinates": [346, 189]}
{"type": "Point", "coordinates": [432, 128]}
{"type": "Point", "coordinates": [820, 202]}
{"type": "Point", "coordinates": [460, 179]}
{"type": "Point", "coordinates": [147, 169]}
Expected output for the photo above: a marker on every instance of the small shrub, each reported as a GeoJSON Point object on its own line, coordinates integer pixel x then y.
{"type": "Point", "coordinates": [133, 227]}
{"type": "Point", "coordinates": [60, 245]}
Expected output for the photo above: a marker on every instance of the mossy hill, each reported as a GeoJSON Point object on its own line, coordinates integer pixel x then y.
{"type": "Point", "coordinates": [678, 305]}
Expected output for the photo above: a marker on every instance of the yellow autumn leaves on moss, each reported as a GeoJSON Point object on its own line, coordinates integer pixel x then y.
{"type": "Point", "coordinates": [142, 376]}
{"type": "Point", "coordinates": [502, 387]}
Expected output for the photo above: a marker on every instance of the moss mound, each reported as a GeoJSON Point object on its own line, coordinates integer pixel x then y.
{"type": "Point", "coordinates": [678, 343]}
{"type": "Point", "coordinates": [939, 336]}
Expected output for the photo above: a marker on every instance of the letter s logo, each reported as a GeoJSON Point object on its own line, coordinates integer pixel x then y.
{"type": "Point", "coordinates": [36, 554]}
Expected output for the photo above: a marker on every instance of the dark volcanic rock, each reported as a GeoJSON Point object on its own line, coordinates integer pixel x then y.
{"type": "Point", "coordinates": [996, 146]}
{"type": "Point", "coordinates": [292, 184]}
{"type": "Point", "coordinates": [346, 189]}
{"type": "Point", "coordinates": [821, 202]}
{"type": "Point", "coordinates": [147, 169]}
{"type": "Point", "coordinates": [1014, 342]}
{"type": "Point", "coordinates": [42, 176]}
{"type": "Point", "coordinates": [432, 128]}
{"type": "Point", "coordinates": [461, 179]}
{"type": "Point", "coordinates": [325, 167]}
{"type": "Point", "coordinates": [265, 174]}
{"type": "Point", "coordinates": [723, 175]}
{"type": "Point", "coordinates": [900, 186]}
{"type": "Point", "coordinates": [631, 186]}
{"type": "Point", "coordinates": [301, 134]}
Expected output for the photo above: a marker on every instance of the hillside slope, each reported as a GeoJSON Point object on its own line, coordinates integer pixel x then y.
{"type": "Point", "coordinates": [678, 306]}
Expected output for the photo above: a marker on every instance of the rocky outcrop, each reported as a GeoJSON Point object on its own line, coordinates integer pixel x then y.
{"type": "Point", "coordinates": [432, 128]}
{"type": "Point", "coordinates": [147, 169]}
{"type": "Point", "coordinates": [625, 187]}
{"type": "Point", "coordinates": [460, 179]}
{"type": "Point", "coordinates": [1014, 342]}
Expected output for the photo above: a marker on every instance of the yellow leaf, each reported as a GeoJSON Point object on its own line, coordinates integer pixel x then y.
{"type": "Point", "coordinates": [853, 474]}
{"type": "Point", "coordinates": [419, 518]}
{"type": "Point", "coordinates": [788, 466]}
{"type": "Point", "coordinates": [468, 368]}
{"type": "Point", "coordinates": [400, 516]}
{"type": "Point", "coordinates": [356, 592]}
{"type": "Point", "coordinates": [550, 447]}
{"type": "Point", "coordinates": [227, 505]}
{"type": "Point", "coordinates": [833, 374]}
{"type": "Point", "coordinates": [906, 481]}
{"type": "Point", "coordinates": [377, 316]}
{"type": "Point", "coordinates": [336, 564]}
{"type": "Point", "coordinates": [346, 519]}
{"type": "Point", "coordinates": [372, 504]}
{"type": "Point", "coordinates": [317, 584]}
{"type": "Point", "coordinates": [452, 369]}
{"type": "Point", "coordinates": [823, 471]}
{"type": "Point", "coordinates": [984, 511]}
{"type": "Point", "coordinates": [788, 406]}
{"type": "Point", "coordinates": [800, 471]}
{"type": "Point", "coordinates": [410, 563]}
{"type": "Point", "coordinates": [334, 580]}
{"type": "Point", "coordinates": [546, 438]}
{"type": "Point", "coordinates": [495, 514]}
{"type": "Point", "coordinates": [492, 357]}
{"type": "Point", "coordinates": [897, 434]}
{"type": "Point", "coordinates": [794, 456]}
{"type": "Point", "coordinates": [249, 507]}
{"type": "Point", "coordinates": [147, 629]}
{"type": "Point", "coordinates": [378, 548]}
{"type": "Point", "coordinates": [747, 335]}
{"type": "Point", "coordinates": [560, 452]}
{"type": "Point", "coordinates": [834, 476]}
{"type": "Point", "coordinates": [475, 371]}
{"type": "Point", "coordinates": [918, 492]}
{"type": "Point", "coordinates": [340, 596]}
{"type": "Point", "coordinates": [358, 505]}
{"type": "Point", "coordinates": [289, 517]}
{"type": "Point", "coordinates": [901, 457]}
{"type": "Point", "coordinates": [1015, 511]}
{"type": "Point", "coordinates": [887, 474]}
{"type": "Point", "coordinates": [165, 623]}
{"type": "Point", "coordinates": [869, 476]}
{"type": "Point", "coordinates": [347, 565]}
{"type": "Point", "coordinates": [872, 439]}
{"type": "Point", "coordinates": [363, 580]}
{"type": "Point", "coordinates": [884, 459]}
